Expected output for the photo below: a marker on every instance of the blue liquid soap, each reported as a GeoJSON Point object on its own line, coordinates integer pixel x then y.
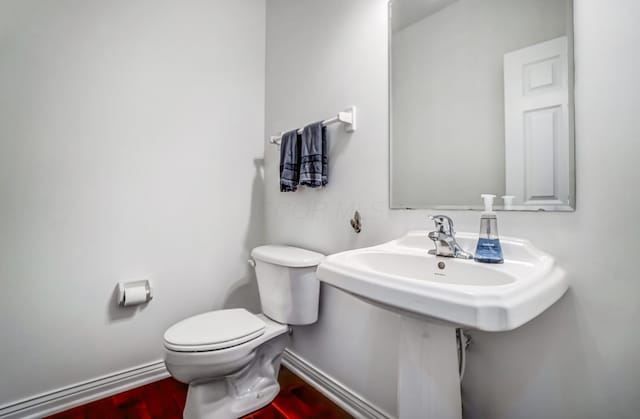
{"type": "Point", "coordinates": [488, 249]}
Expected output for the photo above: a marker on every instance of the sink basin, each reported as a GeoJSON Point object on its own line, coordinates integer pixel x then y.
{"type": "Point", "coordinates": [418, 267]}
{"type": "Point", "coordinates": [403, 276]}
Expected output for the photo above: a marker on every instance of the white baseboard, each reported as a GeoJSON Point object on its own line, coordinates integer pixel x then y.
{"type": "Point", "coordinates": [68, 397]}
{"type": "Point", "coordinates": [65, 398]}
{"type": "Point", "coordinates": [351, 402]}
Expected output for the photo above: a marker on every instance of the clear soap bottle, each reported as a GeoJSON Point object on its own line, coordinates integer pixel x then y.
{"type": "Point", "coordinates": [488, 249]}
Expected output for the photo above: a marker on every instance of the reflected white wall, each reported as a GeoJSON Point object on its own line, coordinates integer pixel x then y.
{"type": "Point", "coordinates": [448, 68]}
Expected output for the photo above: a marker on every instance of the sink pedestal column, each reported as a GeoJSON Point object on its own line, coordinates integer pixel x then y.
{"type": "Point", "coordinates": [428, 379]}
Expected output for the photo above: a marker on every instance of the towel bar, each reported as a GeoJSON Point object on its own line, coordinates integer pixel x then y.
{"type": "Point", "coordinates": [347, 117]}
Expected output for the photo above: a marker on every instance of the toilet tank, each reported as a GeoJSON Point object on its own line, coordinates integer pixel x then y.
{"type": "Point", "coordinates": [287, 282]}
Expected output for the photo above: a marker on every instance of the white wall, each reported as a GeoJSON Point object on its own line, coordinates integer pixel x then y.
{"type": "Point", "coordinates": [449, 66]}
{"type": "Point", "coordinates": [580, 358]}
{"type": "Point", "coordinates": [128, 133]}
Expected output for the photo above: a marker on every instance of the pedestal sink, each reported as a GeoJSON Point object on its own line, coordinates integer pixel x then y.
{"type": "Point", "coordinates": [434, 296]}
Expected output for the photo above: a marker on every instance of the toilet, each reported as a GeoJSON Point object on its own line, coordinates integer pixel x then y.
{"type": "Point", "coordinates": [231, 358]}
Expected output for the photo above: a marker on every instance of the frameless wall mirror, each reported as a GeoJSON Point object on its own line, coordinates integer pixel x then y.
{"type": "Point", "coordinates": [482, 102]}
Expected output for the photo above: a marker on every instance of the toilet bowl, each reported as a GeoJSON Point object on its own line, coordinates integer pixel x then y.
{"type": "Point", "coordinates": [231, 358]}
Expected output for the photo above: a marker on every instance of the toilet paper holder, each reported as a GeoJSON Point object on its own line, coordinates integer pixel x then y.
{"type": "Point", "coordinates": [134, 293]}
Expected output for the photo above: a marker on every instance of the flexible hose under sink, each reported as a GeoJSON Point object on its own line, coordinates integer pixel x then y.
{"type": "Point", "coordinates": [463, 343]}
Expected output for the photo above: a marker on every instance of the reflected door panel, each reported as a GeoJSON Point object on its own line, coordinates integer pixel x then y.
{"type": "Point", "coordinates": [536, 87]}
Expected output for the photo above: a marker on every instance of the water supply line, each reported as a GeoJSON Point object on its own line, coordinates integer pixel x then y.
{"type": "Point", "coordinates": [463, 342]}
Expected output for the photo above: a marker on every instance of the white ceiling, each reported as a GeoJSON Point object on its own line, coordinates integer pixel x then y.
{"type": "Point", "coordinates": [407, 12]}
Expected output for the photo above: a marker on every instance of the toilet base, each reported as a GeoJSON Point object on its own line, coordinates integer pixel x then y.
{"type": "Point", "coordinates": [242, 392]}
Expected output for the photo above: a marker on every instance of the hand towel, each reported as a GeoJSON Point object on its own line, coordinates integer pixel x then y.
{"type": "Point", "coordinates": [313, 156]}
{"type": "Point", "coordinates": [289, 161]}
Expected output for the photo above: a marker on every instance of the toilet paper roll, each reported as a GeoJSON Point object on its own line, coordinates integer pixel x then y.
{"type": "Point", "coordinates": [134, 293]}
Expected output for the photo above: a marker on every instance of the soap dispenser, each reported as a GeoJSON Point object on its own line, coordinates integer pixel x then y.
{"type": "Point", "coordinates": [488, 249]}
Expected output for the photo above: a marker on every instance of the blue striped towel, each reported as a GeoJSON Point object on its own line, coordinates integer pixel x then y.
{"type": "Point", "coordinates": [313, 156]}
{"type": "Point", "coordinates": [289, 161]}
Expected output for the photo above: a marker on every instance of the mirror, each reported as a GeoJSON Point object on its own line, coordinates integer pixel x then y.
{"type": "Point", "coordinates": [482, 102]}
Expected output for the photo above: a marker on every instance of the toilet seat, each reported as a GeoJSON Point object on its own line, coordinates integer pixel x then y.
{"type": "Point", "coordinates": [213, 331]}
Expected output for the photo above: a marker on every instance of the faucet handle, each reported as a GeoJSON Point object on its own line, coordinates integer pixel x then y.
{"type": "Point", "coordinates": [443, 223]}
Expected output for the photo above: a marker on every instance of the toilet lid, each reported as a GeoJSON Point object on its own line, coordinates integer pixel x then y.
{"type": "Point", "coordinates": [289, 256]}
{"type": "Point", "coordinates": [213, 330]}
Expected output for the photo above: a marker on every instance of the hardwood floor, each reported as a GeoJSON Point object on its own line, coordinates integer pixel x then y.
{"type": "Point", "coordinates": [165, 400]}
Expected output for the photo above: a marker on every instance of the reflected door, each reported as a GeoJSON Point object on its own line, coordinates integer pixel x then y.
{"type": "Point", "coordinates": [536, 80]}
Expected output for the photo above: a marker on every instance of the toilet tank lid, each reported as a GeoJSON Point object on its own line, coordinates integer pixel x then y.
{"type": "Point", "coordinates": [289, 256]}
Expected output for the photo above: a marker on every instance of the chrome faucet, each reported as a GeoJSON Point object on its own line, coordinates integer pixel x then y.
{"type": "Point", "coordinates": [444, 238]}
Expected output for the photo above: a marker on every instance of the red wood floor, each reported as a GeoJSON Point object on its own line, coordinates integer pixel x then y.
{"type": "Point", "coordinates": [165, 400]}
